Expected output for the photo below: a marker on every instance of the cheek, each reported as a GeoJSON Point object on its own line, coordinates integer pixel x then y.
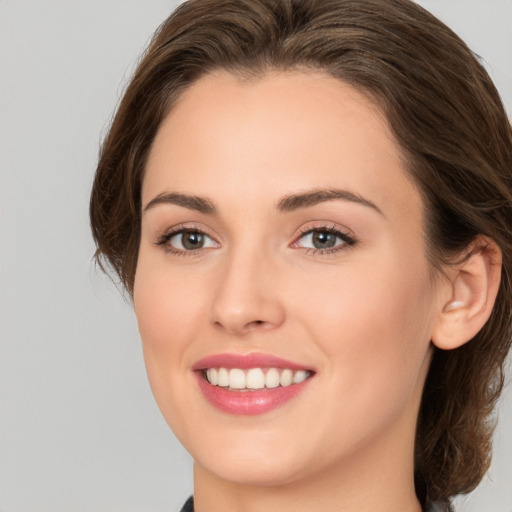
{"type": "Point", "coordinates": [168, 314]}
{"type": "Point", "coordinates": [166, 305]}
{"type": "Point", "coordinates": [373, 324]}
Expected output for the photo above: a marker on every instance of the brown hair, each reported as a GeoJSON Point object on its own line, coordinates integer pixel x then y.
{"type": "Point", "coordinates": [448, 119]}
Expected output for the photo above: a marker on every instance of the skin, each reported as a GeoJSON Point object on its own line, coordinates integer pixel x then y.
{"type": "Point", "coordinates": [363, 317]}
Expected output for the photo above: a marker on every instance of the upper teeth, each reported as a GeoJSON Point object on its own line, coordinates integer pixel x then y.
{"type": "Point", "coordinates": [254, 378]}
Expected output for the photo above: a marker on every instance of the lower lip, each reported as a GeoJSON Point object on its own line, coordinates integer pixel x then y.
{"type": "Point", "coordinates": [248, 402]}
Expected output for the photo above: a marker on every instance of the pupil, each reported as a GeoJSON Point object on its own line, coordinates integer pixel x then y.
{"type": "Point", "coordinates": [192, 240]}
{"type": "Point", "coordinates": [324, 240]}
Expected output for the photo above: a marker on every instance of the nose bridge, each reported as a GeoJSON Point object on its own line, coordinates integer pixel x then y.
{"type": "Point", "coordinates": [246, 297]}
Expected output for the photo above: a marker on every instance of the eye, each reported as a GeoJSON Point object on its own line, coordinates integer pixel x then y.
{"type": "Point", "coordinates": [186, 240]}
{"type": "Point", "coordinates": [321, 240]}
{"type": "Point", "coordinates": [324, 239]}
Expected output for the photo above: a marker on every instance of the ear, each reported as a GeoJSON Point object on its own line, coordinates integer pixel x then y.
{"type": "Point", "coordinates": [469, 295]}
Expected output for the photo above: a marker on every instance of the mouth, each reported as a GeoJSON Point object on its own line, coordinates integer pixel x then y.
{"type": "Point", "coordinates": [250, 384]}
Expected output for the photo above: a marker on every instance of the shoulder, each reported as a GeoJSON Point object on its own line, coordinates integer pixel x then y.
{"type": "Point", "coordinates": [189, 505]}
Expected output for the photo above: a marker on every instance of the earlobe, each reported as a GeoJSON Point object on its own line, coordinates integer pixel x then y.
{"type": "Point", "coordinates": [473, 287]}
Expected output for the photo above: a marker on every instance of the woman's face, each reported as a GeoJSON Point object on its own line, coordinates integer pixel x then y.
{"type": "Point", "coordinates": [282, 241]}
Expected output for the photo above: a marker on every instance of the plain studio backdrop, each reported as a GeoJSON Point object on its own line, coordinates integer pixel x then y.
{"type": "Point", "coordinates": [79, 428]}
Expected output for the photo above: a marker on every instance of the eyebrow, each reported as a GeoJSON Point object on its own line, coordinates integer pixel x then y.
{"type": "Point", "coordinates": [200, 204]}
{"type": "Point", "coordinates": [287, 203]}
{"type": "Point", "coordinates": [313, 197]}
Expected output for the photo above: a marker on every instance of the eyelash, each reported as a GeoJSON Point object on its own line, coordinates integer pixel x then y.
{"type": "Point", "coordinates": [349, 241]}
{"type": "Point", "coordinates": [163, 240]}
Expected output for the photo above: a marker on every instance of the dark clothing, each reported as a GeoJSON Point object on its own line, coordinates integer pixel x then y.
{"type": "Point", "coordinates": [189, 507]}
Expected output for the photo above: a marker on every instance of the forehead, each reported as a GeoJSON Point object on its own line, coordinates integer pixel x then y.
{"type": "Point", "coordinates": [277, 134]}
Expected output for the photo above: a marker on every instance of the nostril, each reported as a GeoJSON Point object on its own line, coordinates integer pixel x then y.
{"type": "Point", "coordinates": [257, 325]}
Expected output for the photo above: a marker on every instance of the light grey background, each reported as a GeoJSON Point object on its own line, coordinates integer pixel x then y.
{"type": "Point", "coordinates": [79, 430]}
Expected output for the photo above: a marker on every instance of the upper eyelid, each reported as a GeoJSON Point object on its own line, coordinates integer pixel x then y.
{"type": "Point", "coordinates": [184, 227]}
{"type": "Point", "coordinates": [326, 226]}
{"type": "Point", "coordinates": [164, 240]}
{"type": "Point", "coordinates": [347, 235]}
{"type": "Point", "coordinates": [163, 237]}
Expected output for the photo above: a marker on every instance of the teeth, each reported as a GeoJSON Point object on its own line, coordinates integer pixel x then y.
{"type": "Point", "coordinates": [236, 378]}
{"type": "Point", "coordinates": [223, 377]}
{"type": "Point", "coordinates": [213, 376]}
{"type": "Point", "coordinates": [286, 378]}
{"type": "Point", "coordinates": [254, 378]}
{"type": "Point", "coordinates": [300, 376]}
{"type": "Point", "coordinates": [272, 378]}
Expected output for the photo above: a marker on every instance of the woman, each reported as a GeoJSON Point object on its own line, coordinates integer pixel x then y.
{"type": "Point", "coordinates": [310, 204]}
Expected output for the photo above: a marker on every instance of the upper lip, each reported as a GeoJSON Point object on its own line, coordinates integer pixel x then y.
{"type": "Point", "coordinates": [245, 361]}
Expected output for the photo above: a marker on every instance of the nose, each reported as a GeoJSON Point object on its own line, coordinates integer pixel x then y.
{"type": "Point", "coordinates": [247, 296]}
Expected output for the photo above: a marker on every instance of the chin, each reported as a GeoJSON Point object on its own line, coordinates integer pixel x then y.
{"type": "Point", "coordinates": [253, 471]}
{"type": "Point", "coordinates": [259, 459]}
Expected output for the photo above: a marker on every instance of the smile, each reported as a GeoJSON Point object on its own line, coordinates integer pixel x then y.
{"type": "Point", "coordinates": [254, 378]}
{"type": "Point", "coordinates": [250, 384]}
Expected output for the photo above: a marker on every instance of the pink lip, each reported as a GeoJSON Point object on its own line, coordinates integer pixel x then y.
{"type": "Point", "coordinates": [247, 402]}
{"type": "Point", "coordinates": [245, 361]}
